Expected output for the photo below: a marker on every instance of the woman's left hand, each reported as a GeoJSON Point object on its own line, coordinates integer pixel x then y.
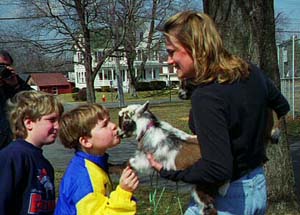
{"type": "Point", "coordinates": [156, 165]}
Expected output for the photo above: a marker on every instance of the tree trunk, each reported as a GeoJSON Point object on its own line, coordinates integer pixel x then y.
{"type": "Point", "coordinates": [248, 30]}
{"type": "Point", "coordinates": [90, 92]}
{"type": "Point", "coordinates": [119, 82]}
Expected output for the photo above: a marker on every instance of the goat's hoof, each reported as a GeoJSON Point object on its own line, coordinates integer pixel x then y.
{"type": "Point", "coordinates": [210, 210]}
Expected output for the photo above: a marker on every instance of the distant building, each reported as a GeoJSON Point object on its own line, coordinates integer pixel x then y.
{"type": "Point", "coordinates": [287, 51]}
{"type": "Point", "coordinates": [155, 69]}
{"type": "Point", "coordinates": [107, 74]}
{"type": "Point", "coordinates": [55, 83]}
{"type": "Point", "coordinates": [168, 74]}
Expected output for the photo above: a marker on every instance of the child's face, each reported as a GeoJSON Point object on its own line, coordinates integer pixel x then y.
{"type": "Point", "coordinates": [104, 136]}
{"type": "Point", "coordinates": [43, 131]}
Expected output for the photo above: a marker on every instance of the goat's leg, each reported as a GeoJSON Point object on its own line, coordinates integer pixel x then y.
{"type": "Point", "coordinates": [208, 203]}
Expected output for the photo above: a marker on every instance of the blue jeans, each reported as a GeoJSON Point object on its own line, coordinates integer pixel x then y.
{"type": "Point", "coordinates": [245, 196]}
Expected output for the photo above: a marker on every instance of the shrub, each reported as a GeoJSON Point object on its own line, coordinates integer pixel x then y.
{"type": "Point", "coordinates": [158, 85]}
{"type": "Point", "coordinates": [106, 89]}
{"type": "Point", "coordinates": [81, 95]}
{"type": "Point", "coordinates": [152, 85]}
{"type": "Point", "coordinates": [76, 90]}
{"type": "Point", "coordinates": [175, 84]}
{"type": "Point", "coordinates": [143, 86]}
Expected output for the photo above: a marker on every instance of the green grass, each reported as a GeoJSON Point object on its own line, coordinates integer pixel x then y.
{"type": "Point", "coordinates": [154, 201]}
{"type": "Point", "coordinates": [141, 96]}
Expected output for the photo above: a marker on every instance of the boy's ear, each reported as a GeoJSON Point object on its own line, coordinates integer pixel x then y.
{"type": "Point", "coordinates": [28, 123]}
{"type": "Point", "coordinates": [85, 142]}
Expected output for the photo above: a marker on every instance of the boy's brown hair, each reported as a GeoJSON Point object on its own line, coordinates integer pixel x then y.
{"type": "Point", "coordinates": [79, 122]}
{"type": "Point", "coordinates": [30, 105]}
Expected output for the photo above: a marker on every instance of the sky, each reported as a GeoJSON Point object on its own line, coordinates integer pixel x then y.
{"type": "Point", "coordinates": [291, 10]}
{"type": "Point", "coordinates": [289, 7]}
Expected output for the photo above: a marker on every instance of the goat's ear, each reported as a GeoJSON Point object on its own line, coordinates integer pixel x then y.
{"type": "Point", "coordinates": [143, 108]}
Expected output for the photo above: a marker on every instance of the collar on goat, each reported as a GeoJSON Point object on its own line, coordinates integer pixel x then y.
{"type": "Point", "coordinates": [150, 125]}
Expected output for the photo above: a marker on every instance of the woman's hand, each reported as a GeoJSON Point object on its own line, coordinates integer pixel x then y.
{"type": "Point", "coordinates": [156, 165]}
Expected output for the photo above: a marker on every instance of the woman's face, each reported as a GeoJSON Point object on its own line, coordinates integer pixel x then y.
{"type": "Point", "coordinates": [180, 59]}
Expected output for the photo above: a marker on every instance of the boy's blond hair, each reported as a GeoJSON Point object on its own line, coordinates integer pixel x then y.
{"type": "Point", "coordinates": [30, 105]}
{"type": "Point", "coordinates": [79, 122]}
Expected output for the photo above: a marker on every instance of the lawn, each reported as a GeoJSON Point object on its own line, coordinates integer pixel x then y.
{"type": "Point", "coordinates": [159, 200]}
{"type": "Point", "coordinates": [141, 96]}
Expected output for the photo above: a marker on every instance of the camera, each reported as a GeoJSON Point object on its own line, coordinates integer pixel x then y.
{"type": "Point", "coordinates": [5, 73]}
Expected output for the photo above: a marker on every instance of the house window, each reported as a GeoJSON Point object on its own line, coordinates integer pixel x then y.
{"type": "Point", "coordinates": [99, 55]}
{"type": "Point", "coordinates": [81, 77]}
{"type": "Point", "coordinates": [171, 69]}
{"type": "Point", "coordinates": [141, 36]}
{"type": "Point", "coordinates": [123, 73]}
{"type": "Point", "coordinates": [54, 90]}
{"type": "Point", "coordinates": [139, 55]}
{"type": "Point", "coordinates": [114, 74]}
{"type": "Point", "coordinates": [80, 57]}
{"type": "Point", "coordinates": [107, 75]}
{"type": "Point", "coordinates": [155, 55]}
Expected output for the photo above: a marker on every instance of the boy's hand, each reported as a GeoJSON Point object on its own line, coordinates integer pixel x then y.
{"type": "Point", "coordinates": [129, 180]}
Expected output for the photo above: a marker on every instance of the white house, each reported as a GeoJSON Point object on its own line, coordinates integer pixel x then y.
{"type": "Point", "coordinates": [107, 74]}
{"type": "Point", "coordinates": [154, 69]}
{"type": "Point", "coordinates": [168, 74]}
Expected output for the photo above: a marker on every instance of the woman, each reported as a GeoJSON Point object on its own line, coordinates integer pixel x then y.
{"type": "Point", "coordinates": [228, 114]}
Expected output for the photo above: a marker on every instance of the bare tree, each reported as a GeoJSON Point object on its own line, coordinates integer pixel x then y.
{"type": "Point", "coordinates": [248, 30]}
{"type": "Point", "coordinates": [81, 25]}
{"type": "Point", "coordinates": [281, 22]}
{"type": "Point", "coordinates": [141, 30]}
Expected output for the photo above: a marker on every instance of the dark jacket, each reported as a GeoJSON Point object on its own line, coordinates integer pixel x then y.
{"type": "Point", "coordinates": [7, 92]}
{"type": "Point", "coordinates": [229, 121]}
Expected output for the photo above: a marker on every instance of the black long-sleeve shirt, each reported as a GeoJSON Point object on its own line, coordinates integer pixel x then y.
{"type": "Point", "coordinates": [7, 92]}
{"type": "Point", "coordinates": [229, 121]}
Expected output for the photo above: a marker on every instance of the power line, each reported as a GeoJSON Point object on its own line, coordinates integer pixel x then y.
{"type": "Point", "coordinates": [282, 31]}
{"type": "Point", "coordinates": [30, 17]}
{"type": "Point", "coordinates": [30, 41]}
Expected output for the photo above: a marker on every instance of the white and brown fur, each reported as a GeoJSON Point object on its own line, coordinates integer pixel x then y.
{"type": "Point", "coordinates": [170, 146]}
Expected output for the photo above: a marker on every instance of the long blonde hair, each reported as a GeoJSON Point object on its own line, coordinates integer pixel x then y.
{"type": "Point", "coordinates": [199, 36]}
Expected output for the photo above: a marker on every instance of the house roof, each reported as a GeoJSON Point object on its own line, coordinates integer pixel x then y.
{"type": "Point", "coordinates": [49, 79]}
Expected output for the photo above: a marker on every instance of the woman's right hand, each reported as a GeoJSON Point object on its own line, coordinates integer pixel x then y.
{"type": "Point", "coordinates": [156, 165]}
{"type": "Point", "coordinates": [129, 180]}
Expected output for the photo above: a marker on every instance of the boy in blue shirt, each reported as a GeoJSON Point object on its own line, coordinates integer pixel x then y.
{"type": "Point", "coordinates": [26, 176]}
